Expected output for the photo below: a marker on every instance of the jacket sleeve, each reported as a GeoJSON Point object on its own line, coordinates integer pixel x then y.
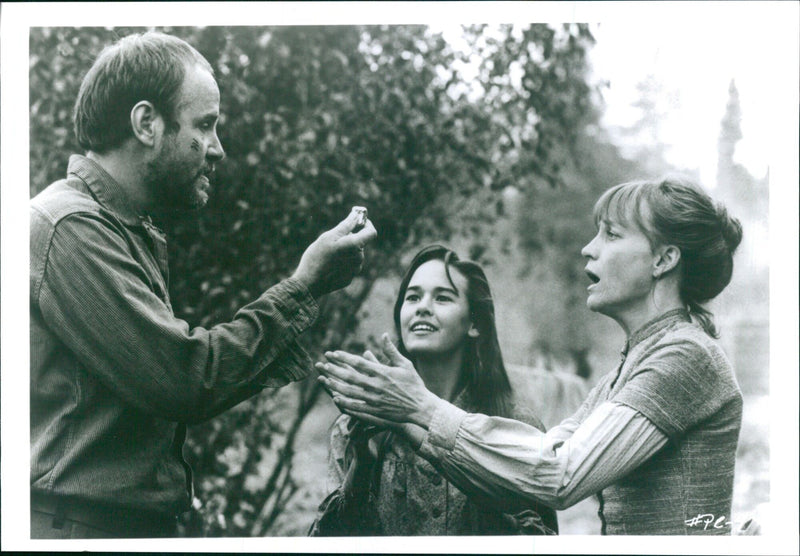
{"type": "Point", "coordinates": [96, 297]}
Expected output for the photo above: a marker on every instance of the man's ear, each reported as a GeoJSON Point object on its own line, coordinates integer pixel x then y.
{"type": "Point", "coordinates": [668, 257]}
{"type": "Point", "coordinates": [146, 122]}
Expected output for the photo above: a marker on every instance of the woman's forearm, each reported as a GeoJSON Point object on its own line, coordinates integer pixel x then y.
{"type": "Point", "coordinates": [413, 433]}
{"type": "Point", "coordinates": [512, 463]}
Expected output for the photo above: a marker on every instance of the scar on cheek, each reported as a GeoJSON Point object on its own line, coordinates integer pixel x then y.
{"type": "Point", "coordinates": [195, 145]}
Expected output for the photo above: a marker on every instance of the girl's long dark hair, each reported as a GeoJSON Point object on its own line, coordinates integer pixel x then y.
{"type": "Point", "coordinates": [487, 387]}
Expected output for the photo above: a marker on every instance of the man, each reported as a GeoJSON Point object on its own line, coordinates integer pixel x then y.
{"type": "Point", "coordinates": [115, 376]}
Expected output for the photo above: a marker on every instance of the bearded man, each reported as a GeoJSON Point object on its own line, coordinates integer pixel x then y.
{"type": "Point", "coordinates": [115, 376]}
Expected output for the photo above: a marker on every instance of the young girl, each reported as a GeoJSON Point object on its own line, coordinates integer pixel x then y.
{"type": "Point", "coordinates": [444, 318]}
{"type": "Point", "coordinates": [656, 437]}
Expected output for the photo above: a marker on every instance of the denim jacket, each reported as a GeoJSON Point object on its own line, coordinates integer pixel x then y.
{"type": "Point", "coordinates": [115, 376]}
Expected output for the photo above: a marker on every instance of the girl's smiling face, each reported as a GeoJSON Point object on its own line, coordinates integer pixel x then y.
{"type": "Point", "coordinates": [620, 266]}
{"type": "Point", "coordinates": [434, 316]}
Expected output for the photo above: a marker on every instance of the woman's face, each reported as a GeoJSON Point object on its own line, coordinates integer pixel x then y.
{"type": "Point", "coordinates": [620, 266]}
{"type": "Point", "coordinates": [434, 319]}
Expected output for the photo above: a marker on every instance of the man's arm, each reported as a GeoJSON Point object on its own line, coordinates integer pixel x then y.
{"type": "Point", "coordinates": [97, 299]}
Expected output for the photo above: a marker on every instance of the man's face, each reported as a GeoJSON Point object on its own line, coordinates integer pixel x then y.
{"type": "Point", "coordinates": [179, 174]}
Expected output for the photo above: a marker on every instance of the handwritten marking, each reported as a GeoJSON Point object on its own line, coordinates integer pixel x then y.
{"type": "Point", "coordinates": [195, 145]}
{"type": "Point", "coordinates": [707, 520]}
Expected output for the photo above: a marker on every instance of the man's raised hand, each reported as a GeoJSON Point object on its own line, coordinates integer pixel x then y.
{"type": "Point", "coordinates": [335, 257]}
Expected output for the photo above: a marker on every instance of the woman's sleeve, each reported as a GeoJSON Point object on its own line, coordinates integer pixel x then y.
{"type": "Point", "coordinates": [568, 426]}
{"type": "Point", "coordinates": [336, 465]}
{"type": "Point", "coordinates": [347, 509]}
{"type": "Point", "coordinates": [328, 521]}
{"type": "Point", "coordinates": [513, 464]}
{"type": "Point", "coordinates": [537, 518]}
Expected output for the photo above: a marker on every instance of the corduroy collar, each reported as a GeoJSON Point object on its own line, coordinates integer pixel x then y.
{"type": "Point", "coordinates": [105, 189]}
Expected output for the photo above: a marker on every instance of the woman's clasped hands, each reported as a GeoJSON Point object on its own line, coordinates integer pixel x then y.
{"type": "Point", "coordinates": [384, 390]}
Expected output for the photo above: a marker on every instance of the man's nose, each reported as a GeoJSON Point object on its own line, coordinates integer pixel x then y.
{"type": "Point", "coordinates": [215, 151]}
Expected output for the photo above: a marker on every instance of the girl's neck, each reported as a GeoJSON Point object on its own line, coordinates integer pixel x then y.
{"type": "Point", "coordinates": [441, 373]}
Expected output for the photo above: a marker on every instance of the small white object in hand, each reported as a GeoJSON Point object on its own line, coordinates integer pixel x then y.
{"type": "Point", "coordinates": [362, 217]}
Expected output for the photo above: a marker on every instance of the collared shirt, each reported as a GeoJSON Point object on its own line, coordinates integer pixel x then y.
{"type": "Point", "coordinates": [414, 499]}
{"type": "Point", "coordinates": [657, 439]}
{"type": "Point", "coordinates": [115, 376]}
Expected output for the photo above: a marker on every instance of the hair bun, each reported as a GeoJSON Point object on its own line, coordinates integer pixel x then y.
{"type": "Point", "coordinates": [730, 227]}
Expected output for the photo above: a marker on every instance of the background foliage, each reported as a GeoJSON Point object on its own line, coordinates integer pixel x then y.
{"type": "Point", "coordinates": [317, 119]}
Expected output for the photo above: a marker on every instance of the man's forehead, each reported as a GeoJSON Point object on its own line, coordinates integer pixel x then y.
{"type": "Point", "coordinates": [199, 90]}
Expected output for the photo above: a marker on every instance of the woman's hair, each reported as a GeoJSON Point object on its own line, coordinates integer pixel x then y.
{"type": "Point", "coordinates": [487, 386]}
{"type": "Point", "coordinates": [675, 211]}
{"type": "Point", "coordinates": [149, 66]}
